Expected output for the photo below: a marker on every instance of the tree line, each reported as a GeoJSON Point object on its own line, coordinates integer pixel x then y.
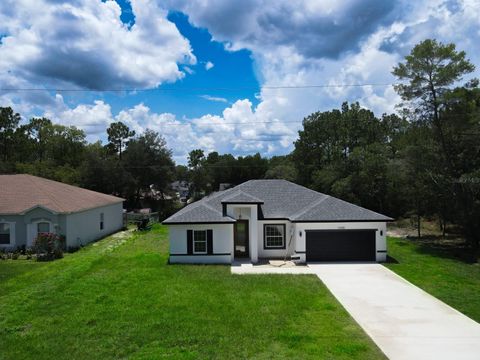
{"type": "Point", "coordinates": [423, 161]}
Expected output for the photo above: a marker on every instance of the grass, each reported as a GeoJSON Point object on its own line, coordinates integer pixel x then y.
{"type": "Point", "coordinates": [118, 298]}
{"type": "Point", "coordinates": [436, 266]}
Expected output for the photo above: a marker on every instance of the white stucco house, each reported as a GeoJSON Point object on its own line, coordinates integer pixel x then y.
{"type": "Point", "coordinates": [264, 219]}
{"type": "Point", "coordinates": [30, 205]}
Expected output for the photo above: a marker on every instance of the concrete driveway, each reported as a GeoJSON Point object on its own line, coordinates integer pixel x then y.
{"type": "Point", "coordinates": [403, 320]}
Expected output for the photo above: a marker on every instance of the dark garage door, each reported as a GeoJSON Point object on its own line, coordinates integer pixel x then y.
{"type": "Point", "coordinates": [340, 245]}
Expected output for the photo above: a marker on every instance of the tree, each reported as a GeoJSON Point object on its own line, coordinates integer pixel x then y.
{"type": "Point", "coordinates": [195, 158]}
{"type": "Point", "coordinates": [39, 130]}
{"type": "Point", "coordinates": [66, 145]}
{"type": "Point", "coordinates": [430, 70]}
{"type": "Point", "coordinates": [8, 124]}
{"type": "Point", "coordinates": [345, 153]}
{"type": "Point", "coordinates": [118, 135]}
{"type": "Point", "coordinates": [281, 167]}
{"type": "Point", "coordinates": [221, 169]}
{"type": "Point", "coordinates": [198, 175]}
{"type": "Point", "coordinates": [100, 171]}
{"type": "Point", "coordinates": [150, 164]}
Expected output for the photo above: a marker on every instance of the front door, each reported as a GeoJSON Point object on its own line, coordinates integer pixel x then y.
{"type": "Point", "coordinates": [240, 238]}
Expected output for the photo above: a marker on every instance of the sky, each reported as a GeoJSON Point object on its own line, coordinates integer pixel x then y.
{"type": "Point", "coordinates": [229, 76]}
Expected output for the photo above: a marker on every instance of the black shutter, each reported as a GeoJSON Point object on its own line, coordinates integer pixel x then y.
{"type": "Point", "coordinates": [189, 242]}
{"type": "Point", "coordinates": [209, 242]}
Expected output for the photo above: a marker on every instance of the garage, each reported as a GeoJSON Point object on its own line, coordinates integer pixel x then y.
{"type": "Point", "coordinates": [340, 245]}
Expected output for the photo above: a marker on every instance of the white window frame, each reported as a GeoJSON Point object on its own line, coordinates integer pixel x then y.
{"type": "Point", "coordinates": [44, 222]}
{"type": "Point", "coordinates": [11, 226]}
{"type": "Point", "coordinates": [205, 240]}
{"type": "Point", "coordinates": [266, 236]}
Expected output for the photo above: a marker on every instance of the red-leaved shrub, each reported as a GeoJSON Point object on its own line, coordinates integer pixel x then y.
{"type": "Point", "coordinates": [49, 246]}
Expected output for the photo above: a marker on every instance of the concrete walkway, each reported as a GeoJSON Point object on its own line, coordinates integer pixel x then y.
{"type": "Point", "coordinates": [273, 267]}
{"type": "Point", "coordinates": [403, 320]}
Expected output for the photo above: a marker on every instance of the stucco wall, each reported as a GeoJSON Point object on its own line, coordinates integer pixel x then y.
{"type": "Point", "coordinates": [250, 213]}
{"type": "Point", "coordinates": [24, 226]}
{"type": "Point", "coordinates": [222, 238]}
{"type": "Point", "coordinates": [275, 253]}
{"type": "Point", "coordinates": [380, 234]}
{"type": "Point", "coordinates": [17, 231]}
{"type": "Point", "coordinates": [84, 227]}
{"type": "Point", "coordinates": [78, 228]}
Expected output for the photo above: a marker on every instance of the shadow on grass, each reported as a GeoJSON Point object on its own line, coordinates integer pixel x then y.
{"type": "Point", "coordinates": [450, 247]}
{"type": "Point", "coordinates": [391, 260]}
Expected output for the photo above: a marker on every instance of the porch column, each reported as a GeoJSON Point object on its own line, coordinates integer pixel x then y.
{"type": "Point", "coordinates": [253, 234]}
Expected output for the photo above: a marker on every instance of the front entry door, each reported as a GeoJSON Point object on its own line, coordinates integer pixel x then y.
{"type": "Point", "coordinates": [240, 240]}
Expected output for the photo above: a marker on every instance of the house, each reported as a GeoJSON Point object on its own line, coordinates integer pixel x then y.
{"type": "Point", "coordinates": [30, 205]}
{"type": "Point", "coordinates": [182, 189]}
{"type": "Point", "coordinates": [264, 219]}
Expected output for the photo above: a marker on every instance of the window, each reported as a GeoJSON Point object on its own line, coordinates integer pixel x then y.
{"type": "Point", "coordinates": [43, 227]}
{"type": "Point", "coordinates": [101, 221]}
{"type": "Point", "coordinates": [274, 236]}
{"type": "Point", "coordinates": [4, 234]}
{"type": "Point", "coordinates": [200, 242]}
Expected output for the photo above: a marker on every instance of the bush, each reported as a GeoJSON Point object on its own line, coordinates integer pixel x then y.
{"type": "Point", "coordinates": [29, 253]}
{"type": "Point", "coordinates": [49, 246]}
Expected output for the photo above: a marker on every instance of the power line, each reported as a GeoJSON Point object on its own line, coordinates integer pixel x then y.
{"type": "Point", "coordinates": [202, 88]}
{"type": "Point", "coordinates": [230, 123]}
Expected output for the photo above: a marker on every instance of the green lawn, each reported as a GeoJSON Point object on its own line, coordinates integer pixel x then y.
{"type": "Point", "coordinates": [120, 299]}
{"type": "Point", "coordinates": [437, 271]}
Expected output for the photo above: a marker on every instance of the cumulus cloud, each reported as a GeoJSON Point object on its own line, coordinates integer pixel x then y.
{"type": "Point", "coordinates": [331, 43]}
{"type": "Point", "coordinates": [316, 29]}
{"type": "Point", "coordinates": [241, 127]}
{"type": "Point", "coordinates": [83, 43]}
{"type": "Point", "coordinates": [292, 44]}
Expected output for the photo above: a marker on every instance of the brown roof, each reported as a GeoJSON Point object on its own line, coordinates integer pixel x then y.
{"type": "Point", "coordinates": [19, 193]}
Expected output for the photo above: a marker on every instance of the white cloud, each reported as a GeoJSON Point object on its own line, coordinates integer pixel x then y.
{"type": "Point", "coordinates": [209, 65]}
{"type": "Point", "coordinates": [302, 49]}
{"type": "Point", "coordinates": [240, 128]}
{"type": "Point", "coordinates": [92, 118]}
{"type": "Point", "coordinates": [84, 44]}
{"type": "Point", "coordinates": [214, 98]}
{"type": "Point", "coordinates": [320, 42]}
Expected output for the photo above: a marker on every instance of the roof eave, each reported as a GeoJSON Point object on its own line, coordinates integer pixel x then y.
{"type": "Point", "coordinates": [243, 202]}
{"type": "Point", "coordinates": [336, 221]}
{"type": "Point", "coordinates": [198, 222]}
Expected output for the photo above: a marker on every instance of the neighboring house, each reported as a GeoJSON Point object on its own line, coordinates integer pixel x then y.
{"type": "Point", "coordinates": [30, 205]}
{"type": "Point", "coordinates": [182, 189]}
{"type": "Point", "coordinates": [273, 219]}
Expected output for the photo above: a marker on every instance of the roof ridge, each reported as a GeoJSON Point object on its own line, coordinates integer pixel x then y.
{"type": "Point", "coordinates": [240, 192]}
{"type": "Point", "coordinates": [212, 208]}
{"type": "Point", "coordinates": [311, 206]}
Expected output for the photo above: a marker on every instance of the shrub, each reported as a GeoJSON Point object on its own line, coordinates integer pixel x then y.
{"type": "Point", "coordinates": [72, 249]}
{"type": "Point", "coordinates": [28, 253]}
{"type": "Point", "coordinates": [49, 246]}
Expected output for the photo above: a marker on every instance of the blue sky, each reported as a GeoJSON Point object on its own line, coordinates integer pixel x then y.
{"type": "Point", "coordinates": [214, 74]}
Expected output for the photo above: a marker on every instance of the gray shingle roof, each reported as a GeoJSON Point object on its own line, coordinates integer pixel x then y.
{"type": "Point", "coordinates": [281, 200]}
{"type": "Point", "coordinates": [241, 198]}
